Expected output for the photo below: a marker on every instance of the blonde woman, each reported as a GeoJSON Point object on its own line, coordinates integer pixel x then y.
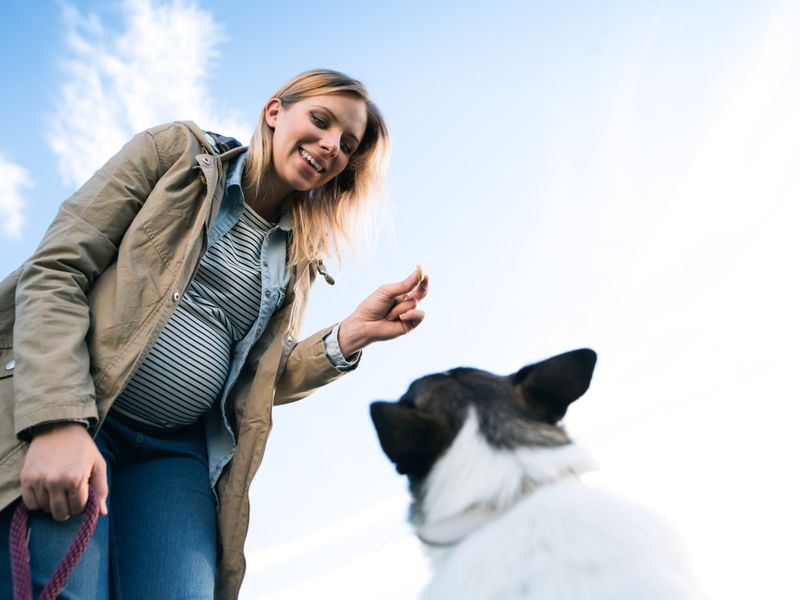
{"type": "Point", "coordinates": [156, 326]}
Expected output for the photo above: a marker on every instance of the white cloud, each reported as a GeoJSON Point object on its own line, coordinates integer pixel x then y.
{"type": "Point", "coordinates": [150, 69]}
{"type": "Point", "coordinates": [14, 178]}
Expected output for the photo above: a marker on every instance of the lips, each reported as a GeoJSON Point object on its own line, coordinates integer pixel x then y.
{"type": "Point", "coordinates": [313, 162]}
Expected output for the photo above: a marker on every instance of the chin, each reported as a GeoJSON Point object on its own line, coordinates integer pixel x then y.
{"type": "Point", "coordinates": [301, 184]}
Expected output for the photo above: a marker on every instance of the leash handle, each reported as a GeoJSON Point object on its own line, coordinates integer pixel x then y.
{"type": "Point", "coordinates": [20, 559]}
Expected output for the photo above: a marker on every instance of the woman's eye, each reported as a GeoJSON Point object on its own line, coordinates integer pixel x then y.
{"type": "Point", "coordinates": [346, 148]}
{"type": "Point", "coordinates": [318, 121]}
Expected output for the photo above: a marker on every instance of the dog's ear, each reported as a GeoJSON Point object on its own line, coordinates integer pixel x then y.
{"type": "Point", "coordinates": [549, 387]}
{"type": "Point", "coordinates": [411, 438]}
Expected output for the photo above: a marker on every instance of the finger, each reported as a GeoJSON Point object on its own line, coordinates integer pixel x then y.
{"type": "Point", "coordinates": [400, 308]}
{"type": "Point", "coordinates": [99, 483]}
{"type": "Point", "coordinates": [412, 318]}
{"type": "Point", "coordinates": [42, 497]}
{"type": "Point", "coordinates": [59, 505]}
{"type": "Point", "coordinates": [401, 287]}
{"type": "Point", "coordinates": [77, 498]}
{"type": "Point", "coordinates": [419, 292]}
{"type": "Point", "coordinates": [29, 499]}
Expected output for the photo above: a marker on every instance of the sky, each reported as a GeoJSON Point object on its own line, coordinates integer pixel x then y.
{"type": "Point", "coordinates": [619, 175]}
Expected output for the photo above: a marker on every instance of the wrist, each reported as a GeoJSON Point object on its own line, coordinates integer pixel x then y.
{"type": "Point", "coordinates": [36, 430]}
{"type": "Point", "coordinates": [351, 337]}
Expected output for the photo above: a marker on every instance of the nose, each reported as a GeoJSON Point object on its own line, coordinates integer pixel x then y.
{"type": "Point", "coordinates": [329, 143]}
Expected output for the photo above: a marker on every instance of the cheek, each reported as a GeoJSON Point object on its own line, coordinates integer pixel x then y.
{"type": "Point", "coordinates": [285, 137]}
{"type": "Point", "coordinates": [277, 144]}
{"type": "Point", "coordinates": [283, 154]}
{"type": "Point", "coordinates": [341, 164]}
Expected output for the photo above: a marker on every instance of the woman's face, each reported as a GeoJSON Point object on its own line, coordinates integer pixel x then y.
{"type": "Point", "coordinates": [314, 138]}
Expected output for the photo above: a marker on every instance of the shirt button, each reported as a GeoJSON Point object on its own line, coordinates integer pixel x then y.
{"type": "Point", "coordinates": [10, 365]}
{"type": "Point", "coordinates": [268, 293]}
{"type": "Point", "coordinates": [176, 296]}
{"type": "Point", "coordinates": [290, 339]}
{"type": "Point", "coordinates": [264, 263]}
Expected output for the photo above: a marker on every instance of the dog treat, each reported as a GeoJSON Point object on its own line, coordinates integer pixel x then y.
{"type": "Point", "coordinates": [420, 272]}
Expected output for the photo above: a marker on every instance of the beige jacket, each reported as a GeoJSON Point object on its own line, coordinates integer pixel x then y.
{"type": "Point", "coordinates": [80, 314]}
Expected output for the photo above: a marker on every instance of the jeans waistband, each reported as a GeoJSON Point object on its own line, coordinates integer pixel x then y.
{"type": "Point", "coordinates": [152, 430]}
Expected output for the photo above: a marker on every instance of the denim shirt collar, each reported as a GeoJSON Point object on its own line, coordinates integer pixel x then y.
{"type": "Point", "coordinates": [233, 203]}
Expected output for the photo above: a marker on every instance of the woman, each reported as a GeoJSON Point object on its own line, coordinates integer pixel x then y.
{"type": "Point", "coordinates": [159, 316]}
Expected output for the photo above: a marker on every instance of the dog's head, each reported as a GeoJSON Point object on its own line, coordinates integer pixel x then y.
{"type": "Point", "coordinates": [512, 411]}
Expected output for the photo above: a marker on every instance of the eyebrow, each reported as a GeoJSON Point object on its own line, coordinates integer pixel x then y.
{"type": "Point", "coordinates": [333, 116]}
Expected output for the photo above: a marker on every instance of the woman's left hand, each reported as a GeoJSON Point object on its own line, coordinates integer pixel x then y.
{"type": "Point", "coordinates": [387, 313]}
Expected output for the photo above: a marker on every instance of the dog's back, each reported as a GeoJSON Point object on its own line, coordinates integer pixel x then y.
{"type": "Point", "coordinates": [498, 499]}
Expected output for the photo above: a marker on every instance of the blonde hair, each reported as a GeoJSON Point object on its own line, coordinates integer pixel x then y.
{"type": "Point", "coordinates": [326, 216]}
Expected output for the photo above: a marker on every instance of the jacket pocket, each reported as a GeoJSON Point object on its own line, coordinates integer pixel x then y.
{"type": "Point", "coordinates": [7, 363]}
{"type": "Point", "coordinates": [7, 366]}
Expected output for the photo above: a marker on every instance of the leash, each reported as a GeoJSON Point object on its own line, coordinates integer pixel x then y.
{"type": "Point", "coordinates": [20, 559]}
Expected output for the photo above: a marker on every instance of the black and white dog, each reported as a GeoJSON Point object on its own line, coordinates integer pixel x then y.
{"type": "Point", "coordinates": [497, 495]}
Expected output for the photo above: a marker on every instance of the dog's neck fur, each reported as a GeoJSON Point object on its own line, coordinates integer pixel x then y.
{"type": "Point", "coordinates": [474, 483]}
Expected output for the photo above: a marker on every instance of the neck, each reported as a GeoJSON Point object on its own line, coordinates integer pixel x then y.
{"type": "Point", "coordinates": [270, 198]}
{"type": "Point", "coordinates": [474, 483]}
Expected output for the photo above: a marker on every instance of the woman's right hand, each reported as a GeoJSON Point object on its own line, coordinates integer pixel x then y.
{"type": "Point", "coordinates": [61, 463]}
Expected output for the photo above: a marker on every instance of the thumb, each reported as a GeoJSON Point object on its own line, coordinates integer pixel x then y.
{"type": "Point", "coordinates": [99, 483]}
{"type": "Point", "coordinates": [403, 287]}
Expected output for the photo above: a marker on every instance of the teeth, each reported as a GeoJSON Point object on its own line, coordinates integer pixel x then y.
{"type": "Point", "coordinates": [311, 160]}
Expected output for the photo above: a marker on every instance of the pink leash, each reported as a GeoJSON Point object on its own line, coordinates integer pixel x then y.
{"type": "Point", "coordinates": [20, 560]}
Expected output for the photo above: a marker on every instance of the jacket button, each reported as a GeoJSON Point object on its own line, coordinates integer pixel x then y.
{"type": "Point", "coordinates": [206, 160]}
{"type": "Point", "coordinates": [10, 365]}
{"type": "Point", "coordinates": [290, 339]}
{"type": "Point", "coordinates": [176, 296]}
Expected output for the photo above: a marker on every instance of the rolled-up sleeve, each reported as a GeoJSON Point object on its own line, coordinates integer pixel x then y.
{"type": "Point", "coordinates": [334, 352]}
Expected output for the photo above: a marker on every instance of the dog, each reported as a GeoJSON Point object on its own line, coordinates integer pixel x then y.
{"type": "Point", "coordinates": [497, 496]}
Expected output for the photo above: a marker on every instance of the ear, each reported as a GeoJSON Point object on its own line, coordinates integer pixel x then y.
{"type": "Point", "coordinates": [549, 387]}
{"type": "Point", "coordinates": [411, 438]}
{"type": "Point", "coordinates": [271, 111]}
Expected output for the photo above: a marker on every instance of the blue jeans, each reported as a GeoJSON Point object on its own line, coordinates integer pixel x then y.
{"type": "Point", "coordinates": [159, 539]}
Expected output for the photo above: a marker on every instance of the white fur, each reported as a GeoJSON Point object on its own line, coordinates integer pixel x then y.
{"type": "Point", "coordinates": [563, 541]}
{"type": "Point", "coordinates": [472, 472]}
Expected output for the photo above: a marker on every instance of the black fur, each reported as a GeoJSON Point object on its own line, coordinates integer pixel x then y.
{"type": "Point", "coordinates": [549, 387]}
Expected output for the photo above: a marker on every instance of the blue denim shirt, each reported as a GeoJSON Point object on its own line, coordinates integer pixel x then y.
{"type": "Point", "coordinates": [220, 438]}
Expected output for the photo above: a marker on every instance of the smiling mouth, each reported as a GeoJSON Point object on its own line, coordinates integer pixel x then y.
{"type": "Point", "coordinates": [310, 160]}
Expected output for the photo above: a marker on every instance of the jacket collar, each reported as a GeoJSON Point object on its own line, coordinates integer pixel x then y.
{"type": "Point", "coordinates": [232, 153]}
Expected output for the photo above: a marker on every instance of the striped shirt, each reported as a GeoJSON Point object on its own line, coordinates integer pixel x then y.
{"type": "Point", "coordinates": [186, 369]}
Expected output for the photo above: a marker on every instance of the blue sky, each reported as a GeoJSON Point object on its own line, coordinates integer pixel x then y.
{"type": "Point", "coordinates": [618, 175]}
